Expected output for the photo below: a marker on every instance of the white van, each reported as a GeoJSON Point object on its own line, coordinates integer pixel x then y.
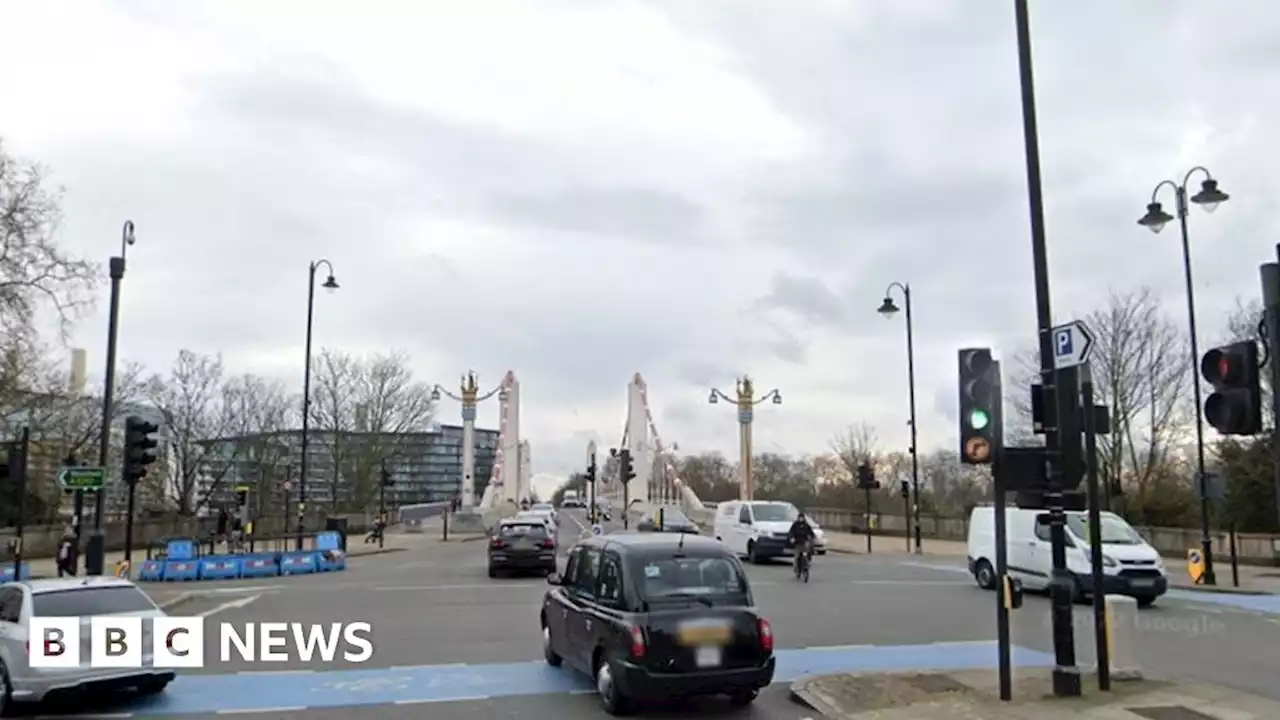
{"type": "Point", "coordinates": [1130, 565]}
{"type": "Point", "coordinates": [758, 529]}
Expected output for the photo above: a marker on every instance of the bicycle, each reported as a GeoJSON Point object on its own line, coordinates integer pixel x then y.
{"type": "Point", "coordinates": [804, 558]}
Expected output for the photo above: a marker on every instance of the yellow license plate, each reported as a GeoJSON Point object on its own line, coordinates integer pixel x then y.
{"type": "Point", "coordinates": [700, 634]}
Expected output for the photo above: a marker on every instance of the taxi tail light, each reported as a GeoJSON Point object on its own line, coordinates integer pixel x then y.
{"type": "Point", "coordinates": [549, 544]}
{"type": "Point", "coordinates": [766, 635]}
{"type": "Point", "coordinates": [637, 642]}
{"type": "Point", "coordinates": [497, 543]}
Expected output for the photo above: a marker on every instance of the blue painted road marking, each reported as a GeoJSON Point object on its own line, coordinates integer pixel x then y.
{"type": "Point", "coordinates": [1063, 342]}
{"type": "Point", "coordinates": [196, 694]}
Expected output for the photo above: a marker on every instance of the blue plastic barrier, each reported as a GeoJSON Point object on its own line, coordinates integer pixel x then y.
{"type": "Point", "coordinates": [181, 570]}
{"type": "Point", "coordinates": [151, 571]}
{"type": "Point", "coordinates": [6, 572]}
{"type": "Point", "coordinates": [180, 549]}
{"type": "Point", "coordinates": [297, 563]}
{"type": "Point", "coordinates": [330, 556]}
{"type": "Point", "coordinates": [259, 565]}
{"type": "Point", "coordinates": [219, 567]}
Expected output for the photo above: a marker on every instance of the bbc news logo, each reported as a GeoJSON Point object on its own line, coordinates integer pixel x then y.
{"type": "Point", "coordinates": [179, 642]}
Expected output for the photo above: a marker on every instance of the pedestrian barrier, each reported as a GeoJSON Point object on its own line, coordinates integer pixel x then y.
{"type": "Point", "coordinates": [182, 561]}
{"type": "Point", "coordinates": [6, 572]}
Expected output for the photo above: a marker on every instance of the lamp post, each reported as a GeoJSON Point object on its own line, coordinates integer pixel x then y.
{"type": "Point", "coordinates": [1209, 197]}
{"type": "Point", "coordinates": [330, 284]}
{"type": "Point", "coordinates": [469, 395]}
{"type": "Point", "coordinates": [96, 550]}
{"type": "Point", "coordinates": [888, 309]}
{"type": "Point", "coordinates": [746, 402]}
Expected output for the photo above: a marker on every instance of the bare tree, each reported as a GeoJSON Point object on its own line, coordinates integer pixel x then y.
{"type": "Point", "coordinates": [391, 407]}
{"type": "Point", "coordinates": [335, 381]}
{"type": "Point", "coordinates": [1140, 366]}
{"type": "Point", "coordinates": [950, 488]}
{"type": "Point", "coordinates": [193, 403]}
{"type": "Point", "coordinates": [258, 412]}
{"type": "Point", "coordinates": [34, 271]}
{"type": "Point", "coordinates": [855, 445]}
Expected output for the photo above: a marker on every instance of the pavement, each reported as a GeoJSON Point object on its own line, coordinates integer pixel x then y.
{"type": "Point", "coordinates": [453, 643]}
{"type": "Point", "coordinates": [975, 694]}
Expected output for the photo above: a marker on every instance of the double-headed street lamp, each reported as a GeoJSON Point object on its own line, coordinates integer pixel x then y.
{"type": "Point", "coordinates": [889, 309]}
{"type": "Point", "coordinates": [469, 395]}
{"type": "Point", "coordinates": [746, 402]}
{"type": "Point", "coordinates": [330, 284]}
{"type": "Point", "coordinates": [1209, 198]}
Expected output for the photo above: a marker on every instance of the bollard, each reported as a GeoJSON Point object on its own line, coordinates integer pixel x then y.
{"type": "Point", "coordinates": [1122, 624]}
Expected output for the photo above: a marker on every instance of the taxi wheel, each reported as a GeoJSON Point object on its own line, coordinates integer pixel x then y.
{"type": "Point", "coordinates": [743, 699]}
{"type": "Point", "coordinates": [553, 659]}
{"type": "Point", "coordinates": [611, 699]}
{"type": "Point", "coordinates": [6, 692]}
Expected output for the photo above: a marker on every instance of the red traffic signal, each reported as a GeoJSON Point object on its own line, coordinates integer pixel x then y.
{"type": "Point", "coordinates": [1235, 406]}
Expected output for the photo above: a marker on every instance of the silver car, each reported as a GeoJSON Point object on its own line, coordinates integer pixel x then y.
{"type": "Point", "coordinates": [71, 597]}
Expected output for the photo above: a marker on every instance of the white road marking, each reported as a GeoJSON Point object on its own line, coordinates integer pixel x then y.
{"type": "Point", "coordinates": [491, 586]}
{"type": "Point", "coordinates": [260, 711]}
{"type": "Point", "coordinates": [229, 605]}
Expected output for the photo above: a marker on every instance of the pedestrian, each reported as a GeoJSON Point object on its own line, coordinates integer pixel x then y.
{"type": "Point", "coordinates": [66, 560]}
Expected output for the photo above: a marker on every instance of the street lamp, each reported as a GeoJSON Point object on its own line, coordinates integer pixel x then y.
{"type": "Point", "coordinates": [1209, 198]}
{"type": "Point", "coordinates": [746, 402]}
{"type": "Point", "coordinates": [96, 551]}
{"type": "Point", "coordinates": [330, 284]}
{"type": "Point", "coordinates": [470, 396]}
{"type": "Point", "coordinates": [888, 309]}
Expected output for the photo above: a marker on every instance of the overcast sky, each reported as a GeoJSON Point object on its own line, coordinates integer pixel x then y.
{"type": "Point", "coordinates": [580, 190]}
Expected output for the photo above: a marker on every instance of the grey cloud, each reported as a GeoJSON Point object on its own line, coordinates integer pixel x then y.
{"type": "Point", "coordinates": [807, 297]}
{"type": "Point", "coordinates": [649, 215]}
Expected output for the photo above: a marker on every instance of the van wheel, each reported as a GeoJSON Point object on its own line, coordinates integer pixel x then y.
{"type": "Point", "coordinates": [752, 555]}
{"type": "Point", "coordinates": [985, 575]}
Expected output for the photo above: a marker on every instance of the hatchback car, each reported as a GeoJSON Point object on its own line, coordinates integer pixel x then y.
{"type": "Point", "coordinates": [522, 545]}
{"type": "Point", "coordinates": [71, 597]}
{"type": "Point", "coordinates": [655, 615]}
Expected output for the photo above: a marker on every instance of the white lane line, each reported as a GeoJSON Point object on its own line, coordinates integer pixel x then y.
{"type": "Point", "coordinates": [468, 698]}
{"type": "Point", "coordinates": [582, 692]}
{"type": "Point", "coordinates": [229, 605]}
{"type": "Point", "coordinates": [262, 711]}
{"type": "Point", "coordinates": [837, 647]}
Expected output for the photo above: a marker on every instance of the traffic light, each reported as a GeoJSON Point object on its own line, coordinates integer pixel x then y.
{"type": "Point", "coordinates": [980, 402]}
{"type": "Point", "coordinates": [138, 447]}
{"type": "Point", "coordinates": [242, 496]}
{"type": "Point", "coordinates": [1235, 407]}
{"type": "Point", "coordinates": [867, 477]}
{"type": "Point", "coordinates": [906, 489]}
{"type": "Point", "coordinates": [625, 472]}
{"type": "Point", "coordinates": [386, 478]}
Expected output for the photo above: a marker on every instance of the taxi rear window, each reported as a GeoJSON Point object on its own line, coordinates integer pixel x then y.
{"type": "Point", "coordinates": [684, 576]}
{"type": "Point", "coordinates": [521, 530]}
{"type": "Point", "coordinates": [90, 601]}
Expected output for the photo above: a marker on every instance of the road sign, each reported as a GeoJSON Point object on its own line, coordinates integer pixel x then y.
{"type": "Point", "coordinates": [82, 478]}
{"type": "Point", "coordinates": [1072, 344]}
{"type": "Point", "coordinates": [597, 530]}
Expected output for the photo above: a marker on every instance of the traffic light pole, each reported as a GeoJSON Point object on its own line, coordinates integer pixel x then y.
{"type": "Point", "coordinates": [1066, 676]}
{"type": "Point", "coordinates": [1099, 598]}
{"type": "Point", "coordinates": [19, 471]}
{"type": "Point", "coordinates": [1271, 304]}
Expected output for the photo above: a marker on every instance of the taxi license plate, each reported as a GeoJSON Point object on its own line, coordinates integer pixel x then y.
{"type": "Point", "coordinates": [709, 656]}
{"type": "Point", "coordinates": [705, 633]}
{"type": "Point", "coordinates": [1142, 582]}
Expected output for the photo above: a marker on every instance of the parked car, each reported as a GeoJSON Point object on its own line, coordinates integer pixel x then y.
{"type": "Point", "coordinates": [522, 545]}
{"type": "Point", "coordinates": [654, 616]}
{"type": "Point", "coordinates": [72, 597]}
{"type": "Point", "coordinates": [667, 519]}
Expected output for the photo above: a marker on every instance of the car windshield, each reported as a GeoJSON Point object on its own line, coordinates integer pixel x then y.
{"type": "Point", "coordinates": [672, 517]}
{"type": "Point", "coordinates": [523, 530]}
{"type": "Point", "coordinates": [774, 512]}
{"type": "Point", "coordinates": [90, 601]}
{"type": "Point", "coordinates": [1114, 530]}
{"type": "Point", "coordinates": [681, 577]}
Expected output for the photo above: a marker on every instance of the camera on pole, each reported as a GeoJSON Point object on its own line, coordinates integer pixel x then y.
{"type": "Point", "coordinates": [980, 407]}
{"type": "Point", "coordinates": [1235, 407]}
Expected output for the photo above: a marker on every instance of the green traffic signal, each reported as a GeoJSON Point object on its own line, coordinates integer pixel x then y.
{"type": "Point", "coordinates": [978, 419]}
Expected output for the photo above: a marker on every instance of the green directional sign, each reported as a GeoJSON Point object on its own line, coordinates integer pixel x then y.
{"type": "Point", "coordinates": [82, 478]}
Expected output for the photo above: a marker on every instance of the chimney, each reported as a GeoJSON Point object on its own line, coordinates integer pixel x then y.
{"type": "Point", "coordinates": [79, 361]}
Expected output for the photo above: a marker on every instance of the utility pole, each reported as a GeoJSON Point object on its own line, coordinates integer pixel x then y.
{"type": "Point", "coordinates": [18, 469]}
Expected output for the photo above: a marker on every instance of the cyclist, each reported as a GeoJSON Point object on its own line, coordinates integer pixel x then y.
{"type": "Point", "coordinates": [801, 538]}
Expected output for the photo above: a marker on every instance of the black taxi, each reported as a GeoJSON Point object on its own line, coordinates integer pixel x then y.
{"type": "Point", "coordinates": [657, 615]}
